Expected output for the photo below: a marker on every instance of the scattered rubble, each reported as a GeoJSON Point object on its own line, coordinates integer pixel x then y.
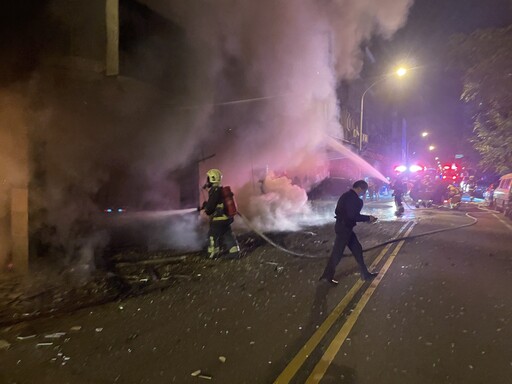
{"type": "Point", "coordinates": [4, 345]}
{"type": "Point", "coordinates": [134, 272]}
{"type": "Point", "coordinates": [23, 298]}
{"type": "Point", "coordinates": [25, 337]}
{"type": "Point", "coordinates": [44, 344]}
{"type": "Point", "coordinates": [56, 335]}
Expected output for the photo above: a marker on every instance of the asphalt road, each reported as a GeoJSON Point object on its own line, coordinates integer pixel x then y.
{"type": "Point", "coordinates": [439, 312]}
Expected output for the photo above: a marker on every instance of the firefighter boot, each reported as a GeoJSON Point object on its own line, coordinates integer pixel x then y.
{"type": "Point", "coordinates": [213, 248]}
{"type": "Point", "coordinates": [234, 252]}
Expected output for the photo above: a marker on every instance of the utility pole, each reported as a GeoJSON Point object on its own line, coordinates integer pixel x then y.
{"type": "Point", "coordinates": [112, 48]}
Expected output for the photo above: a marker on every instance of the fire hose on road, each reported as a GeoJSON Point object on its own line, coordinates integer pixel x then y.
{"type": "Point", "coordinates": [5, 322]}
{"type": "Point", "coordinates": [474, 220]}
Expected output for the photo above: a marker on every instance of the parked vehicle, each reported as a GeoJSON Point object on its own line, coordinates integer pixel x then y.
{"type": "Point", "coordinates": [330, 188]}
{"type": "Point", "coordinates": [480, 189]}
{"type": "Point", "coordinates": [503, 194]}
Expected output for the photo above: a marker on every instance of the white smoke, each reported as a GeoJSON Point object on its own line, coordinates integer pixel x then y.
{"type": "Point", "coordinates": [289, 55]}
{"type": "Point", "coordinates": [276, 205]}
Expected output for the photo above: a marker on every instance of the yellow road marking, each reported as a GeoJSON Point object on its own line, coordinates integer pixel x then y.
{"type": "Point", "coordinates": [329, 355]}
{"type": "Point", "coordinates": [294, 365]}
{"type": "Point", "coordinates": [503, 221]}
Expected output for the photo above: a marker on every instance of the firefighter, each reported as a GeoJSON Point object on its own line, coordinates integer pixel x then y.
{"type": "Point", "coordinates": [454, 196]}
{"type": "Point", "coordinates": [219, 233]}
{"type": "Point", "coordinates": [471, 187]}
{"type": "Point", "coordinates": [399, 190]}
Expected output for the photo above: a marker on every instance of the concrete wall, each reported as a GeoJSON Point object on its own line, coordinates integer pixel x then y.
{"type": "Point", "coordinates": [13, 180]}
{"type": "Point", "coordinates": [55, 125]}
{"type": "Point", "coordinates": [82, 28]}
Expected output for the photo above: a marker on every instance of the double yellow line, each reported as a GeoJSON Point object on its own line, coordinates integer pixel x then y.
{"type": "Point", "coordinates": [321, 367]}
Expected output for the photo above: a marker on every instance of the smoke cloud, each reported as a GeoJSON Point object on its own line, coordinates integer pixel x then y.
{"type": "Point", "coordinates": [293, 53]}
{"type": "Point", "coordinates": [259, 94]}
{"type": "Point", "coordinates": [285, 59]}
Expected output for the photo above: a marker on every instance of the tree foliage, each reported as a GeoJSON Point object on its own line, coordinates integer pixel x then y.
{"type": "Point", "coordinates": [485, 57]}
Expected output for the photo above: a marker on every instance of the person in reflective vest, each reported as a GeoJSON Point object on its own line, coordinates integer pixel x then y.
{"type": "Point", "coordinates": [220, 234]}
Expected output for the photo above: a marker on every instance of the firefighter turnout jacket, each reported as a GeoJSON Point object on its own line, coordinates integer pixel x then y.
{"type": "Point", "coordinates": [215, 205]}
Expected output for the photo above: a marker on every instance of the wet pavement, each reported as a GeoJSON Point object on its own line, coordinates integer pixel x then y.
{"type": "Point", "coordinates": [46, 292]}
{"type": "Point", "coordinates": [439, 314]}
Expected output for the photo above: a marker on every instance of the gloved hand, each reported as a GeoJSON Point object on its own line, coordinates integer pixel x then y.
{"type": "Point", "coordinates": [202, 206]}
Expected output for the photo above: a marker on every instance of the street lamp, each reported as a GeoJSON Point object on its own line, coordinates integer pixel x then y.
{"type": "Point", "coordinates": [431, 148]}
{"type": "Point", "coordinates": [400, 72]}
{"type": "Point", "coordinates": [423, 135]}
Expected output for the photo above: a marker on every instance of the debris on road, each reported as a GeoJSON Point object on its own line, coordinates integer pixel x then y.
{"type": "Point", "coordinates": [222, 359]}
{"type": "Point", "coordinates": [44, 344]}
{"type": "Point", "coordinates": [56, 335]}
{"type": "Point", "coordinates": [4, 344]}
{"type": "Point", "coordinates": [201, 375]}
{"type": "Point", "coordinates": [25, 337]}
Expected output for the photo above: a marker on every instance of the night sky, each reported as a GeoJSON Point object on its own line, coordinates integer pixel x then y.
{"type": "Point", "coordinates": [436, 105]}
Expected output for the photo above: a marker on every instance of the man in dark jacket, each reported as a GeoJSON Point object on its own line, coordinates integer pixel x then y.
{"type": "Point", "coordinates": [348, 213]}
{"type": "Point", "coordinates": [220, 232]}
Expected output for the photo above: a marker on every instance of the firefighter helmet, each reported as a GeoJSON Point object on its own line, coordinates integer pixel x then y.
{"type": "Point", "coordinates": [214, 177]}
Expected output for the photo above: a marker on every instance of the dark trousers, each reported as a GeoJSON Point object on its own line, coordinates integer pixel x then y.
{"type": "Point", "coordinates": [221, 235]}
{"type": "Point", "coordinates": [344, 238]}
